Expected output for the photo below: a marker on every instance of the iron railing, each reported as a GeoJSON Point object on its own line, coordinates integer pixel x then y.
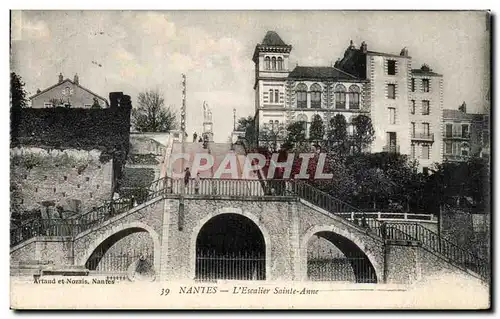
{"type": "Point", "coordinates": [219, 186]}
{"type": "Point", "coordinates": [211, 266]}
{"type": "Point", "coordinates": [435, 243]}
{"type": "Point", "coordinates": [388, 216]}
{"type": "Point", "coordinates": [422, 136]}
{"type": "Point", "coordinates": [344, 269]}
{"type": "Point", "coordinates": [119, 262]}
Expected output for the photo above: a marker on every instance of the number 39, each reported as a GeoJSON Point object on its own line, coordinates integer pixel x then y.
{"type": "Point", "coordinates": [164, 291]}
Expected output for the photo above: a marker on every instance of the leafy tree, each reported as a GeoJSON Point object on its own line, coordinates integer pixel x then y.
{"type": "Point", "coordinates": [151, 115]}
{"type": "Point", "coordinates": [247, 125]}
{"type": "Point", "coordinates": [296, 134]}
{"type": "Point", "coordinates": [363, 133]}
{"type": "Point", "coordinates": [17, 91]}
{"type": "Point", "coordinates": [338, 140]}
{"type": "Point", "coordinates": [317, 129]}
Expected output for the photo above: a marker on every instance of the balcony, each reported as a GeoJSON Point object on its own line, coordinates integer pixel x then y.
{"type": "Point", "coordinates": [340, 105]}
{"type": "Point", "coordinates": [353, 106]}
{"type": "Point", "coordinates": [428, 137]}
{"type": "Point", "coordinates": [457, 136]}
{"type": "Point", "coordinates": [391, 149]}
{"type": "Point", "coordinates": [456, 157]}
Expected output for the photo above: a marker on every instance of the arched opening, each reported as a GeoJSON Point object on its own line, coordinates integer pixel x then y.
{"type": "Point", "coordinates": [117, 253]}
{"type": "Point", "coordinates": [331, 257]}
{"type": "Point", "coordinates": [232, 247]}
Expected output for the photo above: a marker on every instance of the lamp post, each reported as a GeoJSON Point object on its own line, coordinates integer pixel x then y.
{"type": "Point", "coordinates": [180, 221]}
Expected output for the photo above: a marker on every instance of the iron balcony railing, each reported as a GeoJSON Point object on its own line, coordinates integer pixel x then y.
{"type": "Point", "coordinates": [459, 135]}
{"type": "Point", "coordinates": [423, 136]}
{"type": "Point", "coordinates": [391, 148]}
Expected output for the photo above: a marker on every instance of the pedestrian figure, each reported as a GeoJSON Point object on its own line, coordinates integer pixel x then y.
{"type": "Point", "coordinates": [200, 140]}
{"type": "Point", "coordinates": [187, 176]}
{"type": "Point", "coordinates": [194, 137]}
{"type": "Point", "coordinates": [197, 183]}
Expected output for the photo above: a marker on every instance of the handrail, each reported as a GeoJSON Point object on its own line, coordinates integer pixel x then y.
{"type": "Point", "coordinates": [443, 246]}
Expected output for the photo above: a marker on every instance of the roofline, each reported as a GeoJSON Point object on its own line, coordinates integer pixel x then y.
{"type": "Point", "coordinates": [78, 85]}
{"type": "Point", "coordinates": [425, 73]}
{"type": "Point", "coordinates": [323, 79]}
{"type": "Point", "coordinates": [388, 54]}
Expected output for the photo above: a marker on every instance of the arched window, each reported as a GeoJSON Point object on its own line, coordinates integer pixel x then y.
{"type": "Point", "coordinates": [301, 95]}
{"type": "Point", "coordinates": [271, 96]}
{"type": "Point", "coordinates": [354, 97]}
{"type": "Point", "coordinates": [340, 96]}
{"type": "Point", "coordinates": [280, 63]}
{"type": "Point", "coordinates": [274, 63]}
{"type": "Point", "coordinates": [276, 96]}
{"type": "Point", "coordinates": [267, 63]}
{"type": "Point", "coordinates": [315, 96]}
{"type": "Point", "coordinates": [302, 118]}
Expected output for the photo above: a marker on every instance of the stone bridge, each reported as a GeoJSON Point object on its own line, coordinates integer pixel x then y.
{"type": "Point", "coordinates": [279, 229]}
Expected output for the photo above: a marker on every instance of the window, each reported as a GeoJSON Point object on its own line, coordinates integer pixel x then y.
{"type": "Point", "coordinates": [267, 63]}
{"type": "Point", "coordinates": [392, 115]}
{"type": "Point", "coordinates": [54, 190]}
{"type": "Point", "coordinates": [64, 194]}
{"type": "Point", "coordinates": [340, 96]}
{"type": "Point", "coordinates": [448, 148]}
{"type": "Point", "coordinates": [425, 107]}
{"type": "Point", "coordinates": [90, 195]}
{"type": "Point", "coordinates": [391, 91]}
{"type": "Point", "coordinates": [465, 130]}
{"type": "Point", "coordinates": [449, 130]}
{"type": "Point", "coordinates": [280, 63]}
{"type": "Point", "coordinates": [87, 106]}
{"type": "Point", "coordinates": [413, 151]}
{"type": "Point", "coordinates": [301, 95]}
{"type": "Point", "coordinates": [425, 151]}
{"type": "Point", "coordinates": [65, 178]}
{"type": "Point", "coordinates": [354, 97]}
{"type": "Point", "coordinates": [425, 127]}
{"type": "Point", "coordinates": [271, 96]}
{"type": "Point", "coordinates": [425, 85]}
{"type": "Point", "coordinates": [276, 96]}
{"type": "Point", "coordinates": [413, 129]}
{"type": "Point", "coordinates": [36, 189]}
{"type": "Point", "coordinates": [413, 84]}
{"type": "Point", "coordinates": [412, 107]}
{"type": "Point", "coordinates": [87, 179]}
{"type": "Point", "coordinates": [315, 96]}
{"type": "Point", "coordinates": [464, 149]}
{"type": "Point", "coordinates": [425, 171]}
{"type": "Point", "coordinates": [391, 67]}
{"type": "Point", "coordinates": [78, 185]}
{"type": "Point", "coordinates": [273, 63]}
{"type": "Point", "coordinates": [48, 104]}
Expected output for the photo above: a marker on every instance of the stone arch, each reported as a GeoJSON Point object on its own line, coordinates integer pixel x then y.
{"type": "Point", "coordinates": [343, 232]}
{"type": "Point", "coordinates": [229, 210]}
{"type": "Point", "coordinates": [117, 229]}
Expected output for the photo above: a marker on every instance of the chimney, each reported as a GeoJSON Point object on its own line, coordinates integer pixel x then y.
{"type": "Point", "coordinates": [364, 47]}
{"type": "Point", "coordinates": [75, 79]}
{"type": "Point", "coordinates": [38, 91]}
{"type": "Point", "coordinates": [404, 52]}
{"type": "Point", "coordinates": [114, 99]}
{"type": "Point", "coordinates": [351, 45]}
{"type": "Point", "coordinates": [60, 77]}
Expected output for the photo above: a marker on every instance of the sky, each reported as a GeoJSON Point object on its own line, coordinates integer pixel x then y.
{"type": "Point", "coordinates": [133, 51]}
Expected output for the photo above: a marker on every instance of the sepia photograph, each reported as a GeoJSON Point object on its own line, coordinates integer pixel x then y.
{"type": "Point", "coordinates": [210, 159]}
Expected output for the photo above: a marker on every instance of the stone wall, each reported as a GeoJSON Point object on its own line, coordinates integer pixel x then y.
{"type": "Point", "coordinates": [76, 180]}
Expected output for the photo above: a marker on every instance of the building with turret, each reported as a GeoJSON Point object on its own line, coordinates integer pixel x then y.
{"type": "Point", "coordinates": [380, 85]}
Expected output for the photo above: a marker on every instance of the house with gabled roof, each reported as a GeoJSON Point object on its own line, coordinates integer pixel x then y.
{"type": "Point", "coordinates": [67, 93]}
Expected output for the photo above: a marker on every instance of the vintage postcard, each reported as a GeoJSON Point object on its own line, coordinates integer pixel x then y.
{"type": "Point", "coordinates": [250, 159]}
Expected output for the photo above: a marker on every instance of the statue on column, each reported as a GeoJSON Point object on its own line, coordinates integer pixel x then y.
{"type": "Point", "coordinates": [207, 113]}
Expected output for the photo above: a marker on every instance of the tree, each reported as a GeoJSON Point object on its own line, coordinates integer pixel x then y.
{"type": "Point", "coordinates": [296, 134]}
{"type": "Point", "coordinates": [363, 133]}
{"type": "Point", "coordinates": [247, 125]}
{"type": "Point", "coordinates": [17, 91]}
{"type": "Point", "coordinates": [151, 115]}
{"type": "Point", "coordinates": [317, 129]}
{"type": "Point", "coordinates": [270, 135]}
{"type": "Point", "coordinates": [337, 135]}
